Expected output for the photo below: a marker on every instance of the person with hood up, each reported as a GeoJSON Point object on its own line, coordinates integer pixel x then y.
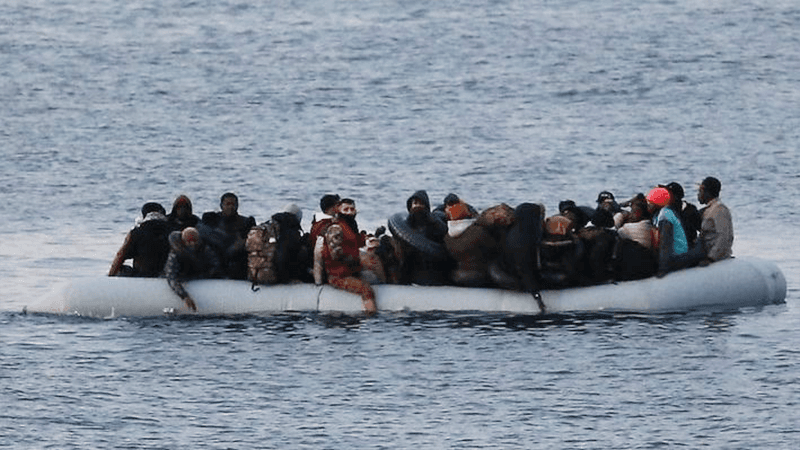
{"type": "Point", "coordinates": [420, 266]}
{"type": "Point", "coordinates": [181, 215]}
{"type": "Point", "coordinates": [146, 244]}
{"type": "Point", "coordinates": [189, 259]}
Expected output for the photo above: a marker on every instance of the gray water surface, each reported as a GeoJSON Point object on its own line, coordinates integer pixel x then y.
{"type": "Point", "coordinates": [107, 105]}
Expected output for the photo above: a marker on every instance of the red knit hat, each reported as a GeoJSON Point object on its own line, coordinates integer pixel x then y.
{"type": "Point", "coordinates": [659, 196]}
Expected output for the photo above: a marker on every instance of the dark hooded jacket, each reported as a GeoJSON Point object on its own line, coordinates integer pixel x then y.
{"type": "Point", "coordinates": [227, 235]}
{"type": "Point", "coordinates": [175, 222]}
{"type": "Point", "coordinates": [433, 227]}
{"type": "Point", "coordinates": [418, 267]}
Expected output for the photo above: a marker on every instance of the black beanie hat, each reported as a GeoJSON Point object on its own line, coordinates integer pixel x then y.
{"type": "Point", "coordinates": [152, 207]}
{"type": "Point", "coordinates": [676, 190]}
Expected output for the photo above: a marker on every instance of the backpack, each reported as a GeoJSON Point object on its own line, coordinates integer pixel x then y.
{"type": "Point", "coordinates": [262, 245]}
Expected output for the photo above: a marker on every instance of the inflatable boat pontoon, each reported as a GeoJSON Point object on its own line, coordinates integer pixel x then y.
{"type": "Point", "coordinates": [727, 284]}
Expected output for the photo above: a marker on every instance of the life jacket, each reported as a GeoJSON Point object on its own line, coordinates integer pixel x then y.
{"type": "Point", "coordinates": [262, 246]}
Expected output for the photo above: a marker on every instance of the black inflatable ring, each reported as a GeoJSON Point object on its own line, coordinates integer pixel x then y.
{"type": "Point", "coordinates": [398, 225]}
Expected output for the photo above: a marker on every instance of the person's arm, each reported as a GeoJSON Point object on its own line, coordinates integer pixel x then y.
{"type": "Point", "coordinates": [171, 270]}
{"type": "Point", "coordinates": [319, 267]}
{"type": "Point", "coordinates": [665, 244]}
{"type": "Point", "coordinates": [723, 239]}
{"type": "Point", "coordinates": [121, 256]}
{"type": "Point", "coordinates": [437, 229]}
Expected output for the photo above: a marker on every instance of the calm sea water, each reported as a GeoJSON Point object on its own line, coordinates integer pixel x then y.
{"type": "Point", "coordinates": [110, 104]}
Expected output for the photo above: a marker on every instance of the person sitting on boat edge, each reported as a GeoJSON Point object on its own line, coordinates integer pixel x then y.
{"type": "Point", "coordinates": [226, 231]}
{"type": "Point", "coordinates": [634, 254]}
{"type": "Point", "coordinates": [341, 259]}
{"type": "Point", "coordinates": [715, 241]}
{"type": "Point", "coordinates": [146, 244]}
{"type": "Point", "coordinates": [672, 245]}
{"type": "Point", "coordinates": [327, 205]}
{"type": "Point", "coordinates": [419, 265]}
{"type": "Point", "coordinates": [687, 212]}
{"type": "Point", "coordinates": [316, 235]}
{"type": "Point", "coordinates": [181, 215]}
{"type": "Point", "coordinates": [190, 258]}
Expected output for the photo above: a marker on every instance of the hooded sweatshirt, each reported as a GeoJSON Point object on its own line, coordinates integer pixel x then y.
{"type": "Point", "coordinates": [176, 222]}
{"type": "Point", "coordinates": [423, 221]}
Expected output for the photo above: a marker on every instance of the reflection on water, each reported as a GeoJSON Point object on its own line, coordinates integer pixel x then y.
{"type": "Point", "coordinates": [713, 319]}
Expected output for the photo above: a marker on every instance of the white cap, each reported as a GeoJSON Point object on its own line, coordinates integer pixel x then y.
{"type": "Point", "coordinates": [294, 209]}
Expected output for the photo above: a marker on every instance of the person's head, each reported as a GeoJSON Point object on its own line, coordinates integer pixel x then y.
{"type": "Point", "coordinates": [564, 205]}
{"type": "Point", "coordinates": [149, 207]}
{"type": "Point", "coordinates": [347, 207]}
{"type": "Point", "coordinates": [451, 199]}
{"type": "Point", "coordinates": [658, 198]}
{"type": "Point", "coordinates": [229, 204]}
{"type": "Point", "coordinates": [190, 237]}
{"type": "Point", "coordinates": [675, 192]}
{"type": "Point", "coordinates": [575, 214]}
{"type": "Point", "coordinates": [604, 196]}
{"type": "Point", "coordinates": [418, 203]}
{"type": "Point", "coordinates": [708, 190]}
{"type": "Point", "coordinates": [294, 210]}
{"type": "Point", "coordinates": [607, 202]}
{"type": "Point", "coordinates": [182, 208]}
{"type": "Point", "coordinates": [639, 209]}
{"type": "Point", "coordinates": [328, 203]}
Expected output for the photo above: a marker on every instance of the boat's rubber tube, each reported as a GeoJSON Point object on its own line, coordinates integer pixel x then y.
{"type": "Point", "coordinates": [728, 284]}
{"type": "Point", "coordinates": [398, 226]}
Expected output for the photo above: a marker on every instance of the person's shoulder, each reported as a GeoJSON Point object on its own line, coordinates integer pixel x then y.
{"type": "Point", "coordinates": [346, 228]}
{"type": "Point", "coordinates": [151, 228]}
{"type": "Point", "coordinates": [211, 217]}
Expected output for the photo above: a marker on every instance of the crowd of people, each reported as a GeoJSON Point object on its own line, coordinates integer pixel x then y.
{"type": "Point", "coordinates": [452, 244]}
